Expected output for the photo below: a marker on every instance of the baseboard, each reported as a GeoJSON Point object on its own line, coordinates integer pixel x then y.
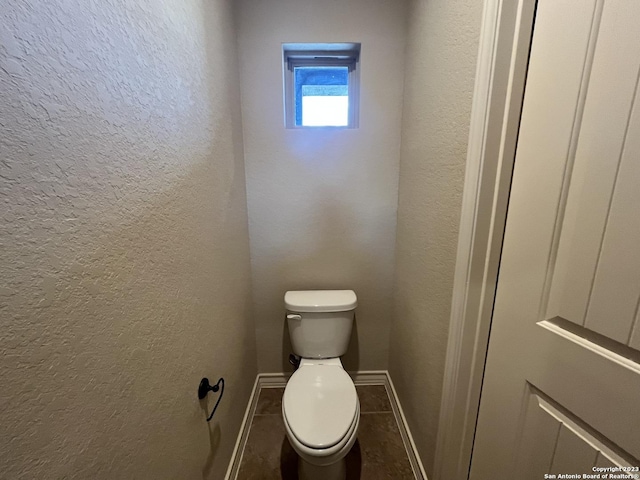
{"type": "Point", "coordinates": [272, 380]}
{"type": "Point", "coordinates": [263, 380]}
{"type": "Point", "coordinates": [407, 438]}
{"type": "Point", "coordinates": [241, 441]}
{"type": "Point", "coordinates": [369, 377]}
{"type": "Point", "coordinates": [382, 377]}
{"type": "Point", "coordinates": [363, 377]}
{"type": "Point", "coordinates": [366, 377]}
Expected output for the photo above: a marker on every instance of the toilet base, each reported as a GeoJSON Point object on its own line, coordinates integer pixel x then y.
{"type": "Point", "coordinates": [334, 471]}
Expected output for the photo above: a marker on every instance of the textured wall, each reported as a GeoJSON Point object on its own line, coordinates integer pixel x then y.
{"type": "Point", "coordinates": [442, 44]}
{"type": "Point", "coordinates": [124, 243]}
{"type": "Point", "coordinates": [322, 202]}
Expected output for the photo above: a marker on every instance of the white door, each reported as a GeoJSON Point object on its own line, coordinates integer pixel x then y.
{"type": "Point", "coordinates": [561, 392]}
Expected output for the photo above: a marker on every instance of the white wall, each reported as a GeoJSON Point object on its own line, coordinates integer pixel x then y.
{"type": "Point", "coordinates": [442, 45]}
{"type": "Point", "coordinates": [123, 225]}
{"type": "Point", "coordinates": [322, 202]}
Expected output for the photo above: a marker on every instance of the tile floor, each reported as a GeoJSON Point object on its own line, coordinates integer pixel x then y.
{"type": "Point", "coordinates": [377, 454]}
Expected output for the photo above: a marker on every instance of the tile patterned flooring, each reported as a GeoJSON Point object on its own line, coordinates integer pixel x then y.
{"type": "Point", "coordinates": [377, 454]}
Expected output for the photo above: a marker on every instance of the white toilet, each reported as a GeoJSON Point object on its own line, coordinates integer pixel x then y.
{"type": "Point", "coordinates": [320, 405]}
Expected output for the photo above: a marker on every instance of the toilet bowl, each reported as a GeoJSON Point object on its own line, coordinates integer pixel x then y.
{"type": "Point", "coordinates": [320, 405]}
{"type": "Point", "coordinates": [321, 414]}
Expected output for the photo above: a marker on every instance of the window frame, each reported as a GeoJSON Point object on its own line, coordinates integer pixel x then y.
{"type": "Point", "coordinates": [321, 55]}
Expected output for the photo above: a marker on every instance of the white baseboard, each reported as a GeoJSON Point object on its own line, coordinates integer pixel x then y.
{"type": "Point", "coordinates": [369, 377]}
{"type": "Point", "coordinates": [243, 434]}
{"type": "Point", "coordinates": [263, 380]}
{"type": "Point", "coordinates": [407, 438]}
{"type": "Point", "coordinates": [272, 380]}
{"type": "Point", "coordinates": [365, 377]}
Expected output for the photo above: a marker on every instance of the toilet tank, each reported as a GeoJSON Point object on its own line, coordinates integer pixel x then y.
{"type": "Point", "coordinates": [320, 321]}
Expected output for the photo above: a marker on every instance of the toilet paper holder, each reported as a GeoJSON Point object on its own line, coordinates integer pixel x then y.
{"type": "Point", "coordinates": [205, 387]}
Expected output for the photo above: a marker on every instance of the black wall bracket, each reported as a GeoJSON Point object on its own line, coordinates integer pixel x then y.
{"type": "Point", "coordinates": [205, 387]}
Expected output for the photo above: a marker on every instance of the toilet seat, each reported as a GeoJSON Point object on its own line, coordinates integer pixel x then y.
{"type": "Point", "coordinates": [326, 456]}
{"type": "Point", "coordinates": [320, 407]}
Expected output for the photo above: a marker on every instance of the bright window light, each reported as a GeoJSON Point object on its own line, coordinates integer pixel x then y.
{"type": "Point", "coordinates": [321, 85]}
{"type": "Point", "coordinates": [324, 90]}
{"type": "Point", "coordinates": [325, 105]}
{"type": "Point", "coordinates": [325, 111]}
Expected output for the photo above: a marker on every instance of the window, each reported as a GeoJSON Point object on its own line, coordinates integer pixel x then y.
{"type": "Point", "coordinates": [321, 84]}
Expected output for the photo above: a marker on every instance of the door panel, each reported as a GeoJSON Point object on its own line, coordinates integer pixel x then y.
{"type": "Point", "coordinates": [553, 440]}
{"type": "Point", "coordinates": [616, 283]}
{"type": "Point", "coordinates": [561, 392]}
{"type": "Point", "coordinates": [594, 244]}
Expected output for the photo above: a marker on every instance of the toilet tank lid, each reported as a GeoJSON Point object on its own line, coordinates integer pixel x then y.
{"type": "Point", "coordinates": [320, 300]}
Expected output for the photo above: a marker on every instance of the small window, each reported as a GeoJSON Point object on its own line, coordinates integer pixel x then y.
{"type": "Point", "coordinates": [321, 84]}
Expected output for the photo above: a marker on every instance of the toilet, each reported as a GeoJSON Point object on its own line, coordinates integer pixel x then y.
{"type": "Point", "coordinates": [320, 405]}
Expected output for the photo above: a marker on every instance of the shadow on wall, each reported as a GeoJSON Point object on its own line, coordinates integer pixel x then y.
{"type": "Point", "coordinates": [337, 253]}
{"type": "Point", "coordinates": [123, 332]}
{"type": "Point", "coordinates": [126, 257]}
{"type": "Point", "coordinates": [178, 287]}
{"type": "Point", "coordinates": [214, 443]}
